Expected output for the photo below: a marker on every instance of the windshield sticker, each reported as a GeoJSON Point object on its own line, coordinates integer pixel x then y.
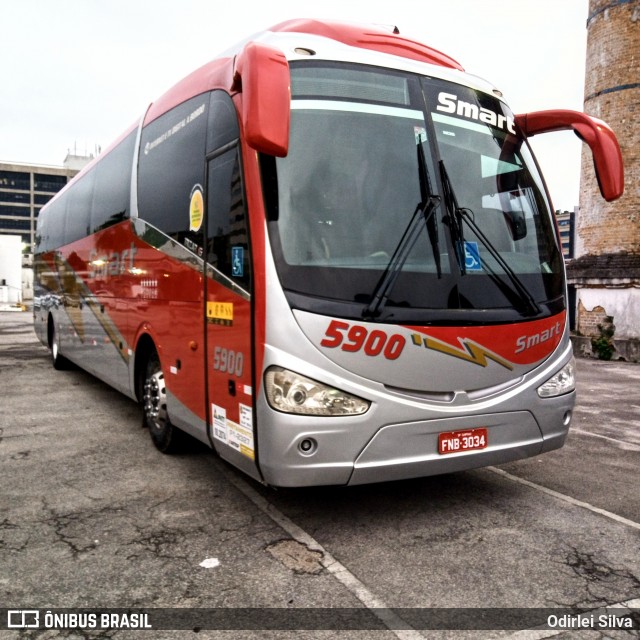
{"type": "Point", "coordinates": [420, 133]}
{"type": "Point", "coordinates": [450, 103]}
{"type": "Point", "coordinates": [472, 256]}
{"type": "Point", "coordinates": [490, 167]}
{"type": "Point", "coordinates": [237, 262]}
{"type": "Point", "coordinates": [196, 208]}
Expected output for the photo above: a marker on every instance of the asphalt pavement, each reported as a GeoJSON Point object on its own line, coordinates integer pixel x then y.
{"type": "Point", "coordinates": [93, 516]}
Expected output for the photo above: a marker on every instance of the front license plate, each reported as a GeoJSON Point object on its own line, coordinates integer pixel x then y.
{"type": "Point", "coordinates": [457, 441]}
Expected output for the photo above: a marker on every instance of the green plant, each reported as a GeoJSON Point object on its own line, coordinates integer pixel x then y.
{"type": "Point", "coordinates": [602, 345]}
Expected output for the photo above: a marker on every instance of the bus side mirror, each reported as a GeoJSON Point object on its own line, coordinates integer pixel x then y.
{"type": "Point", "coordinates": [607, 158]}
{"type": "Point", "coordinates": [262, 75]}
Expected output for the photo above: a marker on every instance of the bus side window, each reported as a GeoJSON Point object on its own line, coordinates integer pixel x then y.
{"type": "Point", "coordinates": [171, 169]}
{"type": "Point", "coordinates": [78, 215]}
{"type": "Point", "coordinates": [53, 224]}
{"type": "Point", "coordinates": [228, 247]}
{"type": "Point", "coordinates": [112, 186]}
{"type": "Point", "coordinates": [222, 127]}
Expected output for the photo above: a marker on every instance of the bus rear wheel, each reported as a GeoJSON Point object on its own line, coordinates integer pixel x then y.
{"type": "Point", "coordinates": [59, 362]}
{"type": "Point", "coordinates": [164, 435]}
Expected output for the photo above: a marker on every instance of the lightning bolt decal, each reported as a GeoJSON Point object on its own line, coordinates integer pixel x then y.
{"type": "Point", "coordinates": [472, 351]}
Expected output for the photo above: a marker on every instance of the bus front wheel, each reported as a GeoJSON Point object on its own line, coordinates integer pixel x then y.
{"type": "Point", "coordinates": [165, 436]}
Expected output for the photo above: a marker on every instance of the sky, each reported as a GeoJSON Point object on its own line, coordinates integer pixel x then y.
{"type": "Point", "coordinates": [76, 73]}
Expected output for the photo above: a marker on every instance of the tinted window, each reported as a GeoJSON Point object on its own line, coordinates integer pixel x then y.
{"type": "Point", "coordinates": [113, 185]}
{"type": "Point", "coordinates": [56, 224]}
{"type": "Point", "coordinates": [50, 227]}
{"type": "Point", "coordinates": [40, 245]}
{"type": "Point", "coordinates": [7, 210]}
{"type": "Point", "coordinates": [223, 121]}
{"type": "Point", "coordinates": [15, 180]}
{"type": "Point", "coordinates": [44, 182]}
{"type": "Point", "coordinates": [79, 199]}
{"type": "Point", "coordinates": [98, 199]}
{"type": "Point", "coordinates": [10, 196]}
{"type": "Point", "coordinates": [171, 170]}
{"type": "Point", "coordinates": [41, 199]}
{"type": "Point", "coordinates": [227, 233]}
{"type": "Point", "coordinates": [369, 151]}
{"type": "Point", "coordinates": [14, 224]}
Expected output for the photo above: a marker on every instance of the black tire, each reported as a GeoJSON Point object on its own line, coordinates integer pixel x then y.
{"type": "Point", "coordinates": [59, 362]}
{"type": "Point", "coordinates": [165, 436]}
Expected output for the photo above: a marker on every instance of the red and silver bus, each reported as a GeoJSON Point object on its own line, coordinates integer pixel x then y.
{"type": "Point", "coordinates": [330, 255]}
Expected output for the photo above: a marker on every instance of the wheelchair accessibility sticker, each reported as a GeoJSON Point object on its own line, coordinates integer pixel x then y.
{"type": "Point", "coordinates": [472, 257]}
{"type": "Point", "coordinates": [237, 262]}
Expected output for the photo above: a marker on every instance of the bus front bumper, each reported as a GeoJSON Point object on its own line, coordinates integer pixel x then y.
{"type": "Point", "coordinates": [411, 450]}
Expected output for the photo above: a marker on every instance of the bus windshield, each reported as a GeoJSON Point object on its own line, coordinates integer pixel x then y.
{"type": "Point", "coordinates": [368, 147]}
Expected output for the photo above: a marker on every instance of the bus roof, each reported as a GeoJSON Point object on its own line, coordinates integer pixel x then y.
{"type": "Point", "coordinates": [325, 40]}
{"type": "Point", "coordinates": [370, 37]}
{"type": "Point", "coordinates": [329, 40]}
{"type": "Point", "coordinates": [216, 74]}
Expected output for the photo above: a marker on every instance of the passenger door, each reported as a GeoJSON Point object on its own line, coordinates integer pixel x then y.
{"type": "Point", "coordinates": [230, 406]}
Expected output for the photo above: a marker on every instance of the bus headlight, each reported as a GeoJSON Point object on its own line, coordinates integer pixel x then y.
{"type": "Point", "coordinates": [293, 393]}
{"type": "Point", "coordinates": [562, 382]}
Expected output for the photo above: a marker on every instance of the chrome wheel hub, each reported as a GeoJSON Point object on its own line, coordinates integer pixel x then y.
{"type": "Point", "coordinates": [155, 400]}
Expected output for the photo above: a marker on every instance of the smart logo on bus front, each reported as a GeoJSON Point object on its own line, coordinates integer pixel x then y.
{"type": "Point", "coordinates": [451, 103]}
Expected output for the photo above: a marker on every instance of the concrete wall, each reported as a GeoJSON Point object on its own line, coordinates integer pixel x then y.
{"type": "Point", "coordinates": [10, 269]}
{"type": "Point", "coordinates": [621, 304]}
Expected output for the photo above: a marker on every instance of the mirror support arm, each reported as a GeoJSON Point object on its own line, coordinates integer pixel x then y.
{"type": "Point", "coordinates": [262, 76]}
{"type": "Point", "coordinates": [607, 158]}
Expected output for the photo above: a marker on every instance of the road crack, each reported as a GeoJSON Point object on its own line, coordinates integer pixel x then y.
{"type": "Point", "coordinates": [602, 583]}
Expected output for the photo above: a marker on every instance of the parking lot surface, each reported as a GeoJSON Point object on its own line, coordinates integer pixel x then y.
{"type": "Point", "coordinates": [92, 515]}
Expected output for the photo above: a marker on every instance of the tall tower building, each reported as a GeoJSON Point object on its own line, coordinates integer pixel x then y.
{"type": "Point", "coordinates": [606, 273]}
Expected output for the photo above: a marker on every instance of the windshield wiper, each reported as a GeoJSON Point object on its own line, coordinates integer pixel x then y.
{"type": "Point", "coordinates": [426, 192]}
{"type": "Point", "coordinates": [455, 217]}
{"type": "Point", "coordinates": [423, 215]}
